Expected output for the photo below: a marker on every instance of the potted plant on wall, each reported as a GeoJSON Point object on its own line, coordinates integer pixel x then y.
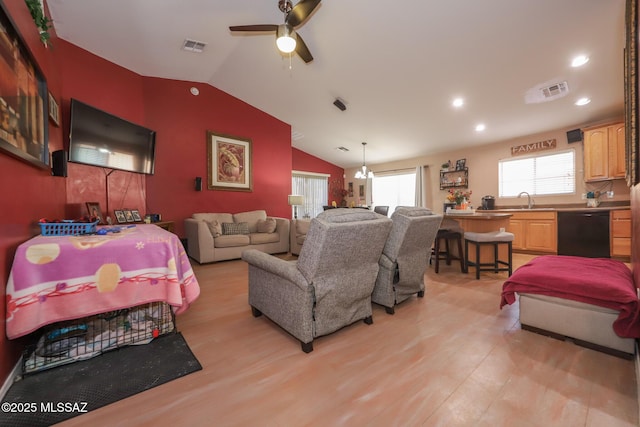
{"type": "Point", "coordinates": [36, 8]}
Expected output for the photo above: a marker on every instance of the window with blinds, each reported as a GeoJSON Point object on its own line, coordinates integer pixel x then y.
{"type": "Point", "coordinates": [315, 190]}
{"type": "Point", "coordinates": [548, 174]}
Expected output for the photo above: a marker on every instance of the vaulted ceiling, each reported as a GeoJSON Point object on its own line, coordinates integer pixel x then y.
{"type": "Point", "coordinates": [397, 66]}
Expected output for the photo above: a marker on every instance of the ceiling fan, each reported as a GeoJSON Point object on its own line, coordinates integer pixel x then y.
{"type": "Point", "coordinates": [286, 38]}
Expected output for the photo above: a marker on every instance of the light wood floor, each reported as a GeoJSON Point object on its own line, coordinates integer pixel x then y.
{"type": "Point", "coordinates": [451, 358]}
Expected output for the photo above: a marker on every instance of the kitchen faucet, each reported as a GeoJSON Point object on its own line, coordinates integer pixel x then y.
{"type": "Point", "coordinates": [529, 199]}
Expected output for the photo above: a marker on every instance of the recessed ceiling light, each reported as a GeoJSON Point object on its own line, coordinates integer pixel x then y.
{"type": "Point", "coordinates": [480, 127]}
{"type": "Point", "coordinates": [458, 102]}
{"type": "Point", "coordinates": [194, 91]}
{"type": "Point", "coordinates": [583, 101]}
{"type": "Point", "coordinates": [579, 61]}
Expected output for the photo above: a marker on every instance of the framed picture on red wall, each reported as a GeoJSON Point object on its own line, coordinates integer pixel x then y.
{"type": "Point", "coordinates": [229, 163]}
{"type": "Point", "coordinates": [24, 131]}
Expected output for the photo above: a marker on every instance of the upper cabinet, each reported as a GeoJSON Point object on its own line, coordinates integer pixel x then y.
{"type": "Point", "coordinates": [604, 151]}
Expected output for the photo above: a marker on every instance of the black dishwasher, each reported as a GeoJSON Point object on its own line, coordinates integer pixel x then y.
{"type": "Point", "coordinates": [584, 233]}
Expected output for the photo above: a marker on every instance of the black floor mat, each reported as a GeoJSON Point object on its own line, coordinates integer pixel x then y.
{"type": "Point", "coordinates": [57, 394]}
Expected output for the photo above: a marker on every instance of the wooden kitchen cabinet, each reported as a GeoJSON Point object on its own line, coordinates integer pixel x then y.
{"type": "Point", "coordinates": [534, 231]}
{"type": "Point", "coordinates": [620, 233]}
{"type": "Point", "coordinates": [604, 153]}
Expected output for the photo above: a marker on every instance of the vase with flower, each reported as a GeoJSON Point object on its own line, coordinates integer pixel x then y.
{"type": "Point", "coordinates": [460, 197]}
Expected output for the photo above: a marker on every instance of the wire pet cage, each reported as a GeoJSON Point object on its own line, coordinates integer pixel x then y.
{"type": "Point", "coordinates": [66, 342]}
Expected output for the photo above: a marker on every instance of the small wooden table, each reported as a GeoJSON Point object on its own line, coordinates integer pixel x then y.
{"type": "Point", "coordinates": [167, 225]}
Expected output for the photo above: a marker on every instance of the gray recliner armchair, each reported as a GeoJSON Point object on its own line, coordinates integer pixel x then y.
{"type": "Point", "coordinates": [405, 256]}
{"type": "Point", "coordinates": [329, 286]}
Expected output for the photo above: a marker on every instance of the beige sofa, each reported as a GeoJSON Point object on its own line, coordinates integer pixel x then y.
{"type": "Point", "coordinates": [298, 232]}
{"type": "Point", "coordinates": [222, 236]}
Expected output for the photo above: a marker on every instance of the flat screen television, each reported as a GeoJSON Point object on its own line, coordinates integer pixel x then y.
{"type": "Point", "coordinates": [98, 138]}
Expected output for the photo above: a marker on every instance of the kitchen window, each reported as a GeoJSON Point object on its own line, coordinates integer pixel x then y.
{"type": "Point", "coordinates": [549, 174]}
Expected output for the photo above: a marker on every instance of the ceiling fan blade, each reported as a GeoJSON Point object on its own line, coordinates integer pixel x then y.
{"type": "Point", "coordinates": [265, 27]}
{"type": "Point", "coordinates": [301, 11]}
{"type": "Point", "coordinates": [302, 50]}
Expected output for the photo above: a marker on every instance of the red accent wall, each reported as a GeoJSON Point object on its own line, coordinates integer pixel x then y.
{"type": "Point", "coordinates": [307, 163]}
{"type": "Point", "coordinates": [181, 121]}
{"type": "Point", "coordinates": [27, 193]}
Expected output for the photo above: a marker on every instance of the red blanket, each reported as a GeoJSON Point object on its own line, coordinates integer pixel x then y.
{"type": "Point", "coordinates": [598, 281]}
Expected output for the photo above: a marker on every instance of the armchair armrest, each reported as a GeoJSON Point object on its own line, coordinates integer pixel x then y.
{"type": "Point", "coordinates": [199, 240]}
{"type": "Point", "coordinates": [386, 262]}
{"type": "Point", "coordinates": [276, 266]}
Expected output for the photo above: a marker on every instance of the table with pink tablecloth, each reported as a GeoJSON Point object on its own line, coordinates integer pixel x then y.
{"type": "Point", "coordinates": [56, 278]}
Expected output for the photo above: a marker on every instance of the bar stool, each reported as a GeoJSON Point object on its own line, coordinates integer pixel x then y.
{"type": "Point", "coordinates": [495, 239]}
{"type": "Point", "coordinates": [446, 236]}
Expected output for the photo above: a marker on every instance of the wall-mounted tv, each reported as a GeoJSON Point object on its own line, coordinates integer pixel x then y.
{"type": "Point", "coordinates": [98, 138]}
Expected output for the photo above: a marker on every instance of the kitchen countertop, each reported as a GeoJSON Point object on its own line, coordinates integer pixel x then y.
{"type": "Point", "coordinates": [562, 208]}
{"type": "Point", "coordinates": [486, 215]}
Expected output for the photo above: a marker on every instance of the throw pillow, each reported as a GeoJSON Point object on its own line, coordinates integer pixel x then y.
{"type": "Point", "coordinates": [214, 227]}
{"type": "Point", "coordinates": [267, 225]}
{"type": "Point", "coordinates": [229, 228]}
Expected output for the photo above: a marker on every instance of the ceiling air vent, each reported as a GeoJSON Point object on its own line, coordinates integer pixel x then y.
{"type": "Point", "coordinates": [193, 46]}
{"type": "Point", "coordinates": [548, 91]}
{"type": "Point", "coordinates": [343, 149]}
{"type": "Point", "coordinates": [555, 90]}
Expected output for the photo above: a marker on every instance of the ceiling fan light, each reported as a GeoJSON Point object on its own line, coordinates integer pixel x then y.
{"type": "Point", "coordinates": [286, 39]}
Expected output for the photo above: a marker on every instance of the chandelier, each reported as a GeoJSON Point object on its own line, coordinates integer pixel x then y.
{"type": "Point", "coordinates": [363, 173]}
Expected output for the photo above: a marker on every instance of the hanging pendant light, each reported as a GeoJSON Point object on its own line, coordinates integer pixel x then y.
{"type": "Point", "coordinates": [364, 173]}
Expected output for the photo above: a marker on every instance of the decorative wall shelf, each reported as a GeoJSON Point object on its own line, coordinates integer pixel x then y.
{"type": "Point", "coordinates": [454, 179]}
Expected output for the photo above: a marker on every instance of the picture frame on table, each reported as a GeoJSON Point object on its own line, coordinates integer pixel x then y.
{"type": "Point", "coordinates": [120, 217]}
{"type": "Point", "coordinates": [229, 163]}
{"type": "Point", "coordinates": [460, 164]}
{"type": "Point", "coordinates": [128, 215]}
{"type": "Point", "coordinates": [24, 106]}
{"type": "Point", "coordinates": [93, 208]}
{"type": "Point", "coordinates": [136, 215]}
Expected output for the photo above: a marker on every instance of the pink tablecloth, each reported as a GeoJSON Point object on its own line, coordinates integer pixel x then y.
{"type": "Point", "coordinates": [55, 278]}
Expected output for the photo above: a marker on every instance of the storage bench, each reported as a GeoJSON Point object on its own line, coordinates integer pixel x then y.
{"type": "Point", "coordinates": [592, 301]}
{"type": "Point", "coordinates": [586, 324]}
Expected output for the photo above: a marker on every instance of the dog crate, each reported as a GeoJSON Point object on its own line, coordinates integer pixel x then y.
{"type": "Point", "coordinates": [69, 341]}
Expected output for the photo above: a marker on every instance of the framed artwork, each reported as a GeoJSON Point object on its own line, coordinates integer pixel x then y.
{"type": "Point", "coordinates": [24, 130]}
{"type": "Point", "coordinates": [120, 217]}
{"type": "Point", "coordinates": [94, 211]}
{"type": "Point", "coordinates": [350, 189]}
{"type": "Point", "coordinates": [460, 164]}
{"type": "Point", "coordinates": [361, 191]}
{"type": "Point", "coordinates": [54, 110]}
{"type": "Point", "coordinates": [229, 163]}
{"type": "Point", "coordinates": [136, 215]}
{"type": "Point", "coordinates": [128, 215]}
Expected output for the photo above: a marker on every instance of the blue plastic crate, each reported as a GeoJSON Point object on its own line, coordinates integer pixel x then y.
{"type": "Point", "coordinates": [67, 228]}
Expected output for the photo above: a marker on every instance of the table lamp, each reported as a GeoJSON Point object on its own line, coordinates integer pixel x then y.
{"type": "Point", "coordinates": [295, 201]}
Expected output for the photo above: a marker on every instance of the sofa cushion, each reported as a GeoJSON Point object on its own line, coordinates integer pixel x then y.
{"type": "Point", "coordinates": [267, 225]}
{"type": "Point", "coordinates": [250, 218]}
{"type": "Point", "coordinates": [231, 228]}
{"type": "Point", "coordinates": [261, 238]}
{"type": "Point", "coordinates": [231, 241]}
{"type": "Point", "coordinates": [215, 227]}
{"type": "Point", "coordinates": [302, 227]}
{"type": "Point", "coordinates": [220, 217]}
